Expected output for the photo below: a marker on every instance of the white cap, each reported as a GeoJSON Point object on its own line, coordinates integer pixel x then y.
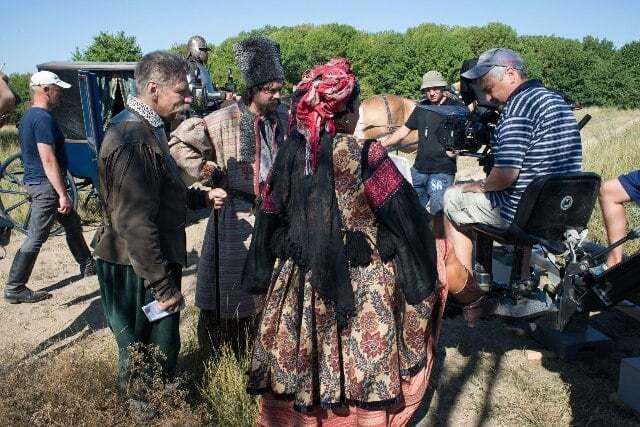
{"type": "Point", "coordinates": [44, 78]}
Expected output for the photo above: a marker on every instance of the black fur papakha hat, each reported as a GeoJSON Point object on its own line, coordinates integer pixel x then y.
{"type": "Point", "coordinates": [259, 60]}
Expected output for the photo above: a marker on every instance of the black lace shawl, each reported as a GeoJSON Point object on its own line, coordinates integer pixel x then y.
{"type": "Point", "coordinates": [304, 225]}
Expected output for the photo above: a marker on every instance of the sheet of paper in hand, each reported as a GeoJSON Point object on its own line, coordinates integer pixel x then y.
{"type": "Point", "coordinates": [154, 312]}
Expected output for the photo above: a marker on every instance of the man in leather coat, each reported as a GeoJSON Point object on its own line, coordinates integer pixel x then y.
{"type": "Point", "coordinates": [140, 247]}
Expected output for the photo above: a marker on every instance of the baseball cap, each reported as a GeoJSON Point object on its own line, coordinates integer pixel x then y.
{"type": "Point", "coordinates": [432, 79]}
{"type": "Point", "coordinates": [44, 78]}
{"type": "Point", "coordinates": [496, 57]}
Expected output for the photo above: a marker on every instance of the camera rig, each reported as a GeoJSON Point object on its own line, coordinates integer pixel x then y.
{"type": "Point", "coordinates": [464, 132]}
{"type": "Point", "coordinates": [550, 228]}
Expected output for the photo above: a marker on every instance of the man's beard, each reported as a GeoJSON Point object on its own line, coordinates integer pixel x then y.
{"type": "Point", "coordinates": [269, 107]}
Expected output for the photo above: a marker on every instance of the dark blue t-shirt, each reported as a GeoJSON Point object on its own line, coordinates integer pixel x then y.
{"type": "Point", "coordinates": [39, 127]}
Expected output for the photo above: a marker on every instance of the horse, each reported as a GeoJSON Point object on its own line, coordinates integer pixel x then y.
{"type": "Point", "coordinates": [381, 115]}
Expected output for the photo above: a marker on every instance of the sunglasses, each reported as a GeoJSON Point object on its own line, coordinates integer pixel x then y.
{"type": "Point", "coordinates": [270, 90]}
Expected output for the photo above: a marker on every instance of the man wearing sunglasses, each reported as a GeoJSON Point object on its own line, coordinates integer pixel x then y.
{"type": "Point", "coordinates": [237, 147]}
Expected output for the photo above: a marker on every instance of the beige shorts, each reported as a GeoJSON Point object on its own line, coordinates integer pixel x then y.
{"type": "Point", "coordinates": [471, 208]}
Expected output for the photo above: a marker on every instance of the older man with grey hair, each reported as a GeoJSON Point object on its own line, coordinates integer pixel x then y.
{"type": "Point", "coordinates": [140, 246]}
{"type": "Point", "coordinates": [536, 134]}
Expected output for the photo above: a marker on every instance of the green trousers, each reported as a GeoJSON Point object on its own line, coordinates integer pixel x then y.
{"type": "Point", "coordinates": [123, 295]}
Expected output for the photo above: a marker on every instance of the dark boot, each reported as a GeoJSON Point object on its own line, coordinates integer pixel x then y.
{"type": "Point", "coordinates": [475, 303]}
{"type": "Point", "coordinates": [15, 290]}
{"type": "Point", "coordinates": [81, 253]}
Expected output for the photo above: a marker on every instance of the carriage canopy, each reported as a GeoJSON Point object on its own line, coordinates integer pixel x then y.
{"type": "Point", "coordinates": [115, 85]}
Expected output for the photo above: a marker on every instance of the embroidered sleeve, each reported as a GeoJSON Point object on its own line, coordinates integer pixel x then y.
{"type": "Point", "coordinates": [383, 179]}
{"type": "Point", "coordinates": [404, 227]}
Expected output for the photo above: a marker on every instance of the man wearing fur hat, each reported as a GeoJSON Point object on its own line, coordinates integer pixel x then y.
{"type": "Point", "coordinates": [234, 148]}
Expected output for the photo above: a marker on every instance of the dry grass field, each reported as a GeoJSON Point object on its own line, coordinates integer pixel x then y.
{"type": "Point", "coordinates": [58, 358]}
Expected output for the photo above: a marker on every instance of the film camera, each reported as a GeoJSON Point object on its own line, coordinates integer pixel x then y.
{"type": "Point", "coordinates": [468, 133]}
{"type": "Point", "coordinates": [463, 131]}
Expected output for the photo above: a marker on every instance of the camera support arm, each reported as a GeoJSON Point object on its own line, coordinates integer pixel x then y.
{"type": "Point", "coordinates": [598, 256]}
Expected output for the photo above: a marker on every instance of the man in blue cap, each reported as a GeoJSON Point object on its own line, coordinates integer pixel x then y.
{"type": "Point", "coordinates": [536, 135]}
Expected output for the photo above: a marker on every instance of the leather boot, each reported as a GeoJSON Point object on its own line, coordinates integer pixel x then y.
{"type": "Point", "coordinates": [475, 303]}
{"type": "Point", "coordinates": [82, 254]}
{"type": "Point", "coordinates": [15, 290]}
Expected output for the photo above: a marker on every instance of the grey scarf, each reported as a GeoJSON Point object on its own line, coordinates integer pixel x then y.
{"type": "Point", "coordinates": [268, 135]}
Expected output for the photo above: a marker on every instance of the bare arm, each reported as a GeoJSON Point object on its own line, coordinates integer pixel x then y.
{"type": "Point", "coordinates": [52, 170]}
{"type": "Point", "coordinates": [396, 136]}
{"type": "Point", "coordinates": [7, 99]}
{"type": "Point", "coordinates": [498, 179]}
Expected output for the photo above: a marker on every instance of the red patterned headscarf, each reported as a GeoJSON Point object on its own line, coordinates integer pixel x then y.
{"type": "Point", "coordinates": [324, 90]}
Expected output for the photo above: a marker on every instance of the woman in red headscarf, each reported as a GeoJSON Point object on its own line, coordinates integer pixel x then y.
{"type": "Point", "coordinates": [347, 259]}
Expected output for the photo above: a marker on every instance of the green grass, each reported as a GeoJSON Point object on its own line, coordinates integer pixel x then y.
{"type": "Point", "coordinates": [224, 389]}
{"type": "Point", "coordinates": [78, 386]}
{"type": "Point", "coordinates": [605, 122]}
{"type": "Point", "coordinates": [8, 142]}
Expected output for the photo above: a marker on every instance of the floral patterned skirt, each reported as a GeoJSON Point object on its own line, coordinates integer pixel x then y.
{"type": "Point", "coordinates": [300, 356]}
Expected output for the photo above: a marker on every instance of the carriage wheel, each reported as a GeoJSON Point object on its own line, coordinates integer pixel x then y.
{"type": "Point", "coordinates": [15, 203]}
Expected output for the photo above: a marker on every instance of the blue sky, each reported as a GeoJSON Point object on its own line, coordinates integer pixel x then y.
{"type": "Point", "coordinates": [36, 31]}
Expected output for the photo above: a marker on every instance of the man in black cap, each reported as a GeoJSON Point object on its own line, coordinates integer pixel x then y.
{"type": "Point", "coordinates": [536, 134]}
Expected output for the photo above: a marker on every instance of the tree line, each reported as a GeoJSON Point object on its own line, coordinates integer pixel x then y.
{"type": "Point", "coordinates": [590, 71]}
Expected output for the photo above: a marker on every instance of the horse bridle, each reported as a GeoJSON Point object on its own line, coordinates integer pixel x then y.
{"type": "Point", "coordinates": [390, 128]}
